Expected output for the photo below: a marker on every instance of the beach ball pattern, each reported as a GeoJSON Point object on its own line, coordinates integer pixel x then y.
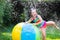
{"type": "Point", "coordinates": [25, 31]}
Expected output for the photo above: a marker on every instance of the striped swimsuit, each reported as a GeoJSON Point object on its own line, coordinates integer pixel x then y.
{"type": "Point", "coordinates": [41, 25]}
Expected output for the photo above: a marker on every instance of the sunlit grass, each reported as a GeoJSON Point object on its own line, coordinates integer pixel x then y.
{"type": "Point", "coordinates": [52, 39]}
{"type": "Point", "coordinates": [52, 34]}
{"type": "Point", "coordinates": [6, 34]}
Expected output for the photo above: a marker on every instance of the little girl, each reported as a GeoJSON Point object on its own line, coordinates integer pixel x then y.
{"type": "Point", "coordinates": [40, 23]}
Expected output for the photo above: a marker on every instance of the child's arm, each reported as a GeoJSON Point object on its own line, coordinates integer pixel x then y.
{"type": "Point", "coordinates": [29, 20]}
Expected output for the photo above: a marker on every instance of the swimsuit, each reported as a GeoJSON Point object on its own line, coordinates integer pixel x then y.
{"type": "Point", "coordinates": [41, 25]}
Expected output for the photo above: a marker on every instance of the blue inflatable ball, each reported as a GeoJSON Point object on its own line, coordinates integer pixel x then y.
{"type": "Point", "coordinates": [25, 31]}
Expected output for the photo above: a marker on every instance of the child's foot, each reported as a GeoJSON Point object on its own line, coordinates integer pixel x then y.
{"type": "Point", "coordinates": [58, 28]}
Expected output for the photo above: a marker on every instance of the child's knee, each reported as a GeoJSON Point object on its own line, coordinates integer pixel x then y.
{"type": "Point", "coordinates": [53, 22]}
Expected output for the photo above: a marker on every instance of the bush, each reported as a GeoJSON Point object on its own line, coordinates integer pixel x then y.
{"type": "Point", "coordinates": [13, 14]}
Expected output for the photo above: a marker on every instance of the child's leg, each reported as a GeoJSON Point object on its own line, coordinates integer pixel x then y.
{"type": "Point", "coordinates": [43, 33]}
{"type": "Point", "coordinates": [52, 23]}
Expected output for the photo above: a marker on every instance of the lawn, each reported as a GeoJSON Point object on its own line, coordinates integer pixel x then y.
{"type": "Point", "coordinates": [52, 33]}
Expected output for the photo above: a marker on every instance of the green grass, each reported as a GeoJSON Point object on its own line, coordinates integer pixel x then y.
{"type": "Point", "coordinates": [5, 36]}
{"type": "Point", "coordinates": [5, 33]}
{"type": "Point", "coordinates": [52, 33]}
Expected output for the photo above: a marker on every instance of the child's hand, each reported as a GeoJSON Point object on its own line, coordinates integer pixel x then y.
{"type": "Point", "coordinates": [34, 23]}
{"type": "Point", "coordinates": [26, 22]}
{"type": "Point", "coordinates": [58, 28]}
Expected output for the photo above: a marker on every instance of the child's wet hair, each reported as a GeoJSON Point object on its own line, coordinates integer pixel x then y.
{"type": "Point", "coordinates": [31, 10]}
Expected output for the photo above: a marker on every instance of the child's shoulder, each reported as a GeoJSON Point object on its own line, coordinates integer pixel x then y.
{"type": "Point", "coordinates": [38, 15]}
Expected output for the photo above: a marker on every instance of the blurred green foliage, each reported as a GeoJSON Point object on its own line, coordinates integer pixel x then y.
{"type": "Point", "coordinates": [8, 15]}
{"type": "Point", "coordinates": [15, 12]}
{"type": "Point", "coordinates": [2, 4]}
